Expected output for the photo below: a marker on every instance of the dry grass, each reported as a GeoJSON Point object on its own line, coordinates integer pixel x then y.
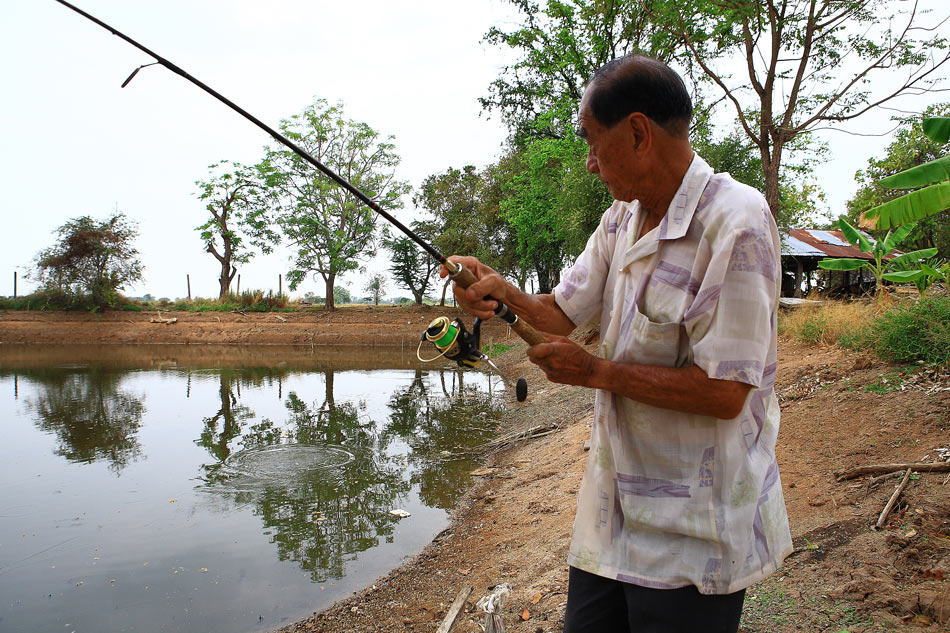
{"type": "Point", "coordinates": [826, 323]}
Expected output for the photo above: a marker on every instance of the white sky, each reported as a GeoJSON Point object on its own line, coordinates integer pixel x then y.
{"type": "Point", "coordinates": [72, 143]}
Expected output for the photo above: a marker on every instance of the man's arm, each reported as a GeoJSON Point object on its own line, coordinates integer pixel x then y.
{"type": "Point", "coordinates": [541, 311]}
{"type": "Point", "coordinates": [686, 389]}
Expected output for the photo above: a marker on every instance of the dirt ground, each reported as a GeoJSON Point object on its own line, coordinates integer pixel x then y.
{"type": "Point", "coordinates": [839, 410]}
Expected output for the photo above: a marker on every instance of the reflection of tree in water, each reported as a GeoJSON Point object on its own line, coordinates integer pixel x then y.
{"type": "Point", "coordinates": [433, 426]}
{"type": "Point", "coordinates": [231, 415]}
{"type": "Point", "coordinates": [325, 516]}
{"type": "Point", "coordinates": [92, 419]}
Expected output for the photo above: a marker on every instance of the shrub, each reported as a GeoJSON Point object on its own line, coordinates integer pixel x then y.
{"type": "Point", "coordinates": [912, 331]}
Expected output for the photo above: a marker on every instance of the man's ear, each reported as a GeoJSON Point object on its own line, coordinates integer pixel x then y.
{"type": "Point", "coordinates": [641, 131]}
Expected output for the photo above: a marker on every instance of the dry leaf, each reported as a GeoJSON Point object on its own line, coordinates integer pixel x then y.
{"type": "Point", "coordinates": [465, 572]}
{"type": "Point", "coordinates": [526, 615]}
{"type": "Point", "coordinates": [536, 598]}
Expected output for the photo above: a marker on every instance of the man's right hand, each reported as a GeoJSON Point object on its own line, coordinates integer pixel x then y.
{"type": "Point", "coordinates": [488, 282]}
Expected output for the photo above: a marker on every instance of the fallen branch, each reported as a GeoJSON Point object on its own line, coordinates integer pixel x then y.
{"type": "Point", "coordinates": [159, 319]}
{"type": "Point", "coordinates": [932, 467]}
{"type": "Point", "coordinates": [280, 318]}
{"type": "Point", "coordinates": [534, 431]}
{"type": "Point", "coordinates": [454, 610]}
{"type": "Point", "coordinates": [890, 502]}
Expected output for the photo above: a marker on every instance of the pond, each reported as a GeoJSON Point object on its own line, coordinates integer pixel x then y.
{"type": "Point", "coordinates": [180, 488]}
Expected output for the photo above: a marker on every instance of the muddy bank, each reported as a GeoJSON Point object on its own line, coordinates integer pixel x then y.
{"type": "Point", "coordinates": [363, 325]}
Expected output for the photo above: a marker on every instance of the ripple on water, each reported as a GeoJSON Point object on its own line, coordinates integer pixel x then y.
{"type": "Point", "coordinates": [282, 466]}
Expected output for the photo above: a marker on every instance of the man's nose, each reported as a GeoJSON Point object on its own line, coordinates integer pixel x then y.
{"type": "Point", "coordinates": [592, 166]}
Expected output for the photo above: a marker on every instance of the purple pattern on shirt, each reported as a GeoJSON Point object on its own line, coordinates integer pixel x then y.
{"type": "Point", "coordinates": [625, 224]}
{"type": "Point", "coordinates": [675, 276]}
{"type": "Point", "coordinates": [706, 467]}
{"type": "Point", "coordinates": [709, 193]}
{"type": "Point", "coordinates": [752, 252]}
{"type": "Point", "coordinates": [707, 299]}
{"type": "Point", "coordinates": [712, 574]}
{"type": "Point", "coordinates": [761, 542]}
{"type": "Point", "coordinates": [641, 486]}
{"type": "Point", "coordinates": [574, 279]}
{"type": "Point", "coordinates": [747, 371]}
{"type": "Point", "coordinates": [612, 227]}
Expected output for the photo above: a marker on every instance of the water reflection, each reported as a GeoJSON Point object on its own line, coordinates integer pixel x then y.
{"type": "Point", "coordinates": [266, 473]}
{"type": "Point", "coordinates": [91, 416]}
{"type": "Point", "coordinates": [321, 513]}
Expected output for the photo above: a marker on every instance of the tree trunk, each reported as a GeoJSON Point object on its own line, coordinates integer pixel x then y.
{"type": "Point", "coordinates": [329, 303]}
{"type": "Point", "coordinates": [224, 281]}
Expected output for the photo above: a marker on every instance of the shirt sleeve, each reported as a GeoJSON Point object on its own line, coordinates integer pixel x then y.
{"type": "Point", "coordinates": [580, 293]}
{"type": "Point", "coordinates": [731, 322]}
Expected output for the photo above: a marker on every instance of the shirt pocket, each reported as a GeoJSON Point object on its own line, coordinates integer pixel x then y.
{"type": "Point", "coordinates": [652, 343]}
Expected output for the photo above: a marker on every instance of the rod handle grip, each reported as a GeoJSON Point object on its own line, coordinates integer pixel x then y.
{"type": "Point", "coordinates": [465, 278]}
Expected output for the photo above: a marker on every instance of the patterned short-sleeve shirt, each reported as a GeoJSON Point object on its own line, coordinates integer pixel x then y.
{"type": "Point", "coordinates": [673, 499]}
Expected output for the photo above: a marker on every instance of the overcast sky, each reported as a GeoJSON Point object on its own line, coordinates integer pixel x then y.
{"type": "Point", "coordinates": [73, 143]}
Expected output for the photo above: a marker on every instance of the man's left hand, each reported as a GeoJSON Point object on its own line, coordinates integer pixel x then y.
{"type": "Point", "coordinates": [563, 360]}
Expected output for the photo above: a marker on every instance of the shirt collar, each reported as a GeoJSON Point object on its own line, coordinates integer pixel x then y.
{"type": "Point", "coordinates": [676, 221]}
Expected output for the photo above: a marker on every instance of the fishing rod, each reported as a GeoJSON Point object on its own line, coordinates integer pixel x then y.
{"type": "Point", "coordinates": [457, 272]}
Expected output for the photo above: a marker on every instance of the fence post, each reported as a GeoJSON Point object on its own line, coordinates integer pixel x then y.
{"type": "Point", "coordinates": [14, 284]}
{"type": "Point", "coordinates": [280, 285]}
{"type": "Point", "coordinates": [239, 286]}
{"type": "Point", "coordinates": [188, 279]}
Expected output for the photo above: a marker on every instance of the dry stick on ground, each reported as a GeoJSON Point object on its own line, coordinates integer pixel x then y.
{"type": "Point", "coordinates": [933, 467]}
{"type": "Point", "coordinates": [890, 502]}
{"type": "Point", "coordinates": [454, 610]}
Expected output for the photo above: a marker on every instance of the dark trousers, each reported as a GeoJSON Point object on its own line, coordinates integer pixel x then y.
{"type": "Point", "coordinates": [600, 605]}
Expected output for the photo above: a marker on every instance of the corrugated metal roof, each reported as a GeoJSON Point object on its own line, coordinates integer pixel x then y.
{"type": "Point", "coordinates": [815, 243]}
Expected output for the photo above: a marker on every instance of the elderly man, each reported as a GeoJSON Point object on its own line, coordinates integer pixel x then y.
{"type": "Point", "coordinates": [681, 506]}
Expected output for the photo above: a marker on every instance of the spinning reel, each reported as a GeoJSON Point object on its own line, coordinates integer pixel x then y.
{"type": "Point", "coordinates": [456, 343]}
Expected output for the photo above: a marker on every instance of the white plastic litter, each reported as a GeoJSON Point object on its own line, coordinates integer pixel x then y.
{"type": "Point", "coordinates": [492, 605]}
{"type": "Point", "coordinates": [399, 512]}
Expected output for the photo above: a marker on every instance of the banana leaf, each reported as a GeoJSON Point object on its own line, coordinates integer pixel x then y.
{"type": "Point", "coordinates": [891, 240]}
{"type": "Point", "coordinates": [844, 263]}
{"type": "Point", "coordinates": [913, 256]}
{"type": "Point", "coordinates": [919, 176]}
{"type": "Point", "coordinates": [937, 129]}
{"type": "Point", "coordinates": [855, 237]}
{"type": "Point", "coordinates": [903, 276]}
{"type": "Point", "coordinates": [911, 207]}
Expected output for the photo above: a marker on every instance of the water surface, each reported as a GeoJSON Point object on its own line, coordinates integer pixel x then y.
{"type": "Point", "coordinates": [168, 489]}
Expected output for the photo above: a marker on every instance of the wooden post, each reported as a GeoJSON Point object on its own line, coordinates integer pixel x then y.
{"type": "Point", "coordinates": [280, 285]}
{"type": "Point", "coordinates": [239, 286]}
{"type": "Point", "coordinates": [799, 269]}
{"type": "Point", "coordinates": [14, 284]}
{"type": "Point", "coordinates": [188, 279]}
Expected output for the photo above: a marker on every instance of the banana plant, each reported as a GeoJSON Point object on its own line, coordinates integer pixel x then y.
{"type": "Point", "coordinates": [922, 273]}
{"type": "Point", "coordinates": [931, 182]}
{"type": "Point", "coordinates": [878, 266]}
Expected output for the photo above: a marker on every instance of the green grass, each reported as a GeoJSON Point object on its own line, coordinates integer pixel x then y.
{"type": "Point", "coordinates": [908, 332]}
{"type": "Point", "coordinates": [495, 349]}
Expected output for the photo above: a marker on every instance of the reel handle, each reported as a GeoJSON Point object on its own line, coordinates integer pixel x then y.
{"type": "Point", "coordinates": [464, 277]}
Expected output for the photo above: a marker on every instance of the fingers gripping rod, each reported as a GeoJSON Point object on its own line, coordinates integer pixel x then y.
{"type": "Point", "coordinates": [458, 273]}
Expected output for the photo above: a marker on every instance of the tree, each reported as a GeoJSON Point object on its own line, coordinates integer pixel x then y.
{"type": "Point", "coordinates": [341, 295]}
{"type": "Point", "coordinates": [330, 230]}
{"type": "Point", "coordinates": [92, 258]}
{"type": "Point", "coordinates": [808, 64]}
{"type": "Point", "coordinates": [412, 268]}
{"type": "Point", "coordinates": [233, 196]}
{"type": "Point", "coordinates": [910, 148]}
{"type": "Point", "coordinates": [376, 287]}
{"type": "Point", "coordinates": [560, 45]}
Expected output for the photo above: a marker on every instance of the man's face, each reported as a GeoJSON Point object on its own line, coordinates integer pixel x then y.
{"type": "Point", "coordinates": [610, 154]}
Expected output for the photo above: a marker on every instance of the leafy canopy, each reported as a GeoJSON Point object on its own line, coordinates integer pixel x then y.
{"type": "Point", "coordinates": [92, 259]}
{"type": "Point", "coordinates": [330, 230]}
